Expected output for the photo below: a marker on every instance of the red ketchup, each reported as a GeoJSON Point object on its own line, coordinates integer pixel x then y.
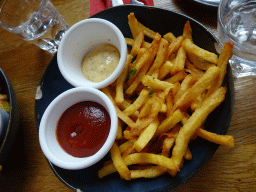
{"type": "Point", "coordinates": [83, 129]}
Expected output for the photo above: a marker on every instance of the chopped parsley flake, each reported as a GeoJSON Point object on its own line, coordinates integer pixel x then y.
{"type": "Point", "coordinates": [132, 71]}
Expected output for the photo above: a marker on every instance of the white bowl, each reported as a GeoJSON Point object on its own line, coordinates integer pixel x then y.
{"type": "Point", "coordinates": [47, 129]}
{"type": "Point", "coordinates": [79, 40]}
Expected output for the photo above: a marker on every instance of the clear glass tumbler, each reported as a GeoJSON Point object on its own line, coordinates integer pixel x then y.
{"type": "Point", "coordinates": [36, 21]}
{"type": "Point", "coordinates": [237, 24]}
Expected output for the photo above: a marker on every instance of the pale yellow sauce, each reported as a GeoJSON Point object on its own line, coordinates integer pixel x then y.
{"type": "Point", "coordinates": [100, 63]}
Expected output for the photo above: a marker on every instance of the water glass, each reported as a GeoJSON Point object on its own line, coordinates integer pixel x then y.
{"type": "Point", "coordinates": [237, 24]}
{"type": "Point", "coordinates": [36, 21]}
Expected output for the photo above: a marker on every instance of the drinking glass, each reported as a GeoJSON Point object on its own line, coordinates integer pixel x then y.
{"type": "Point", "coordinates": [36, 21]}
{"type": "Point", "coordinates": [237, 24]}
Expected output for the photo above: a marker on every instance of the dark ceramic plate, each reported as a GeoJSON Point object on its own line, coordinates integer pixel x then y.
{"type": "Point", "coordinates": [162, 21]}
{"type": "Point", "coordinates": [11, 130]}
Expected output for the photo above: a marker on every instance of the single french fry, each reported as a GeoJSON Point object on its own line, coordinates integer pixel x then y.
{"type": "Point", "coordinates": [142, 158]}
{"type": "Point", "coordinates": [143, 97]}
{"type": "Point", "coordinates": [177, 77]}
{"type": "Point", "coordinates": [194, 122]}
{"type": "Point", "coordinates": [120, 114]}
{"type": "Point", "coordinates": [137, 44]}
{"type": "Point", "coordinates": [222, 63]}
{"type": "Point", "coordinates": [226, 140]}
{"type": "Point", "coordinates": [180, 61]}
{"type": "Point", "coordinates": [106, 170]}
{"type": "Point", "coordinates": [197, 88]}
{"type": "Point", "coordinates": [119, 98]}
{"type": "Point", "coordinates": [125, 118]}
{"type": "Point", "coordinates": [169, 123]}
{"type": "Point", "coordinates": [155, 83]}
{"type": "Point", "coordinates": [165, 69]}
{"type": "Point", "coordinates": [129, 41]}
{"type": "Point", "coordinates": [169, 37]}
{"type": "Point", "coordinates": [119, 163]}
{"type": "Point", "coordinates": [146, 136]}
{"type": "Point", "coordinates": [199, 62]}
{"type": "Point", "coordinates": [175, 45]}
{"type": "Point", "coordinates": [119, 134]}
{"type": "Point", "coordinates": [190, 47]}
{"type": "Point", "coordinates": [151, 172]}
{"type": "Point", "coordinates": [148, 32]}
{"type": "Point", "coordinates": [187, 31]}
{"type": "Point", "coordinates": [160, 56]}
{"type": "Point", "coordinates": [133, 23]}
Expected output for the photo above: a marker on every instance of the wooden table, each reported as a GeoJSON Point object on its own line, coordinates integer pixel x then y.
{"type": "Point", "coordinates": [27, 169]}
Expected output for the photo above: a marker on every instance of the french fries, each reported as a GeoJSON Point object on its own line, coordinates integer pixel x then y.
{"type": "Point", "coordinates": [163, 97]}
{"type": "Point", "coordinates": [193, 123]}
{"type": "Point", "coordinates": [151, 172]}
{"type": "Point", "coordinates": [119, 163]}
{"type": "Point", "coordinates": [190, 47]}
{"type": "Point", "coordinates": [213, 137]}
{"type": "Point", "coordinates": [146, 136]}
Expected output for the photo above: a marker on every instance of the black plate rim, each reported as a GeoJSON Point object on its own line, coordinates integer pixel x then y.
{"type": "Point", "coordinates": [12, 128]}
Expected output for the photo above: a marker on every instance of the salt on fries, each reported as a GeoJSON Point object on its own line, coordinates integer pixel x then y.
{"type": "Point", "coordinates": [163, 97]}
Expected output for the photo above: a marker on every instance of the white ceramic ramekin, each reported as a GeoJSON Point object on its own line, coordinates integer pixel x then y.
{"type": "Point", "coordinates": [80, 39]}
{"type": "Point", "coordinates": [47, 129]}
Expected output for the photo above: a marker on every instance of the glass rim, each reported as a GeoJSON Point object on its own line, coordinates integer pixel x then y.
{"type": "Point", "coordinates": [4, 26]}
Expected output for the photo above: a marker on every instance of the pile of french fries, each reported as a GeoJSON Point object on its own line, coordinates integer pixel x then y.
{"type": "Point", "coordinates": [166, 91]}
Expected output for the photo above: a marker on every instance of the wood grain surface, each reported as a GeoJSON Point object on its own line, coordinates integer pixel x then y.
{"type": "Point", "coordinates": [26, 168]}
